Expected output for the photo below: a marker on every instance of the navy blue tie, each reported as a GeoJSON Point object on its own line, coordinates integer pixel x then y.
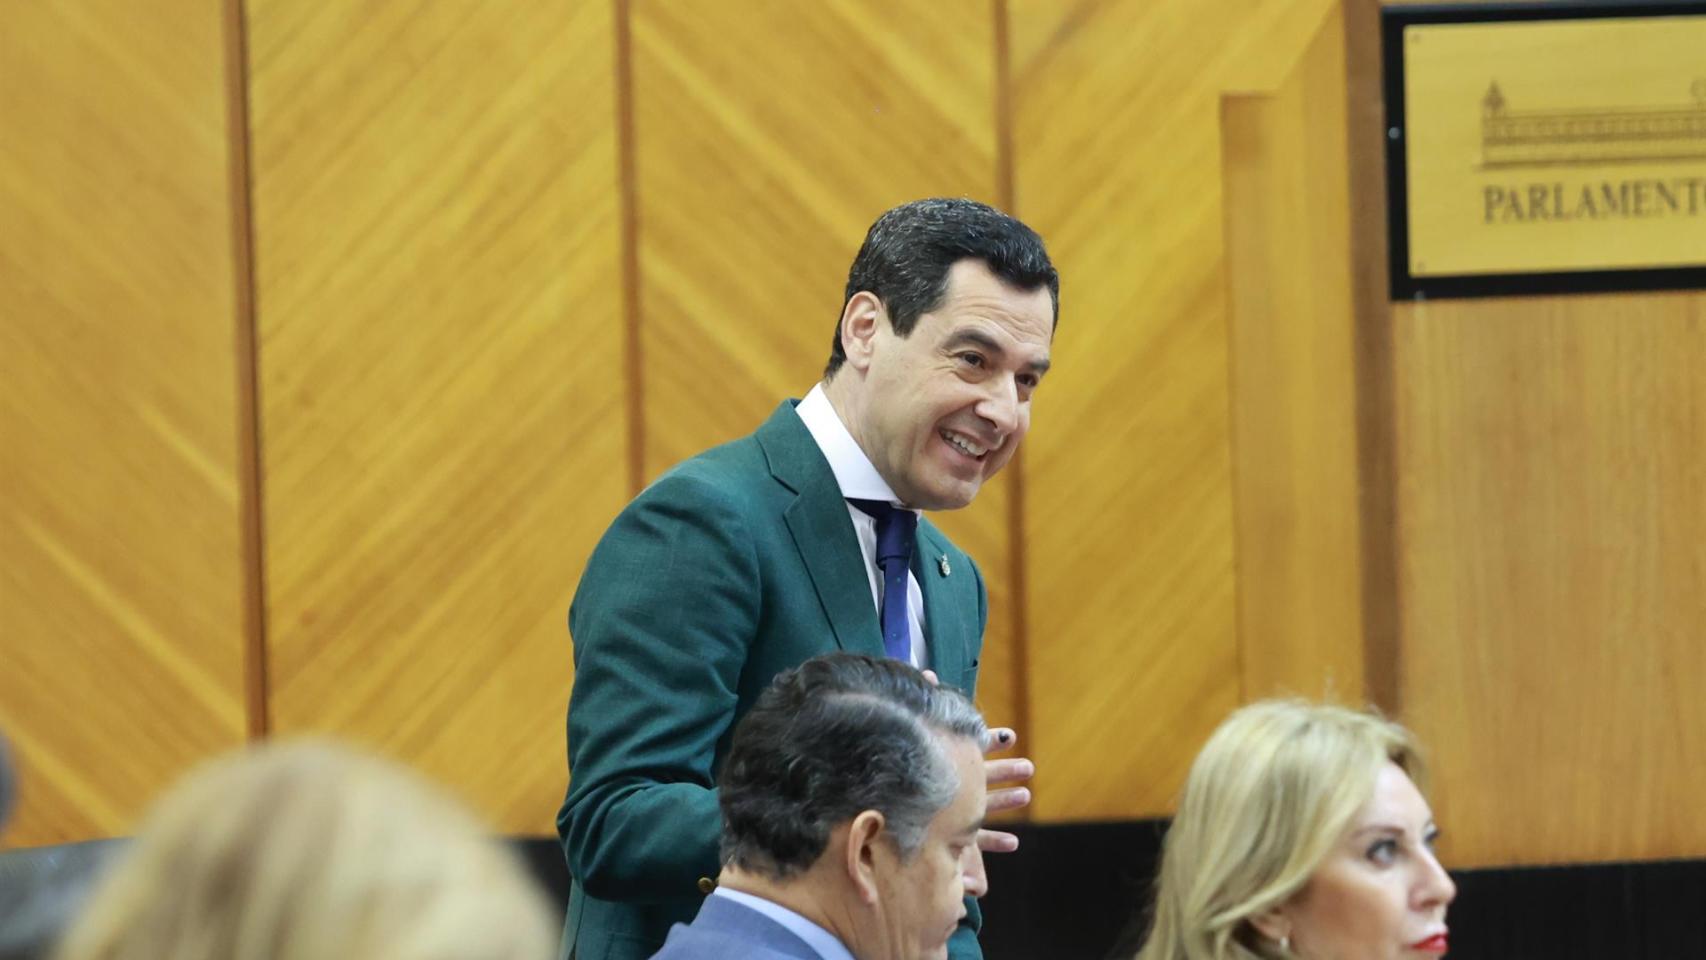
{"type": "Point", "coordinates": [895, 530]}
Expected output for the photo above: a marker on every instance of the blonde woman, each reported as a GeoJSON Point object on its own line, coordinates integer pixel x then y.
{"type": "Point", "coordinates": [1302, 834]}
{"type": "Point", "coordinates": [311, 852]}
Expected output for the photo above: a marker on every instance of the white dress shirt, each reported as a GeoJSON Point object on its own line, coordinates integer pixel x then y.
{"type": "Point", "coordinates": [860, 480]}
{"type": "Point", "coordinates": [816, 937]}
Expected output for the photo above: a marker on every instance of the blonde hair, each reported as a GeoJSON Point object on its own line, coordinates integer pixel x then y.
{"type": "Point", "coordinates": [308, 851]}
{"type": "Point", "coordinates": [1271, 793]}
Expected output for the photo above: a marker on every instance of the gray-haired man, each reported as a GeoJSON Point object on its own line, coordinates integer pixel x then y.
{"type": "Point", "coordinates": [851, 800]}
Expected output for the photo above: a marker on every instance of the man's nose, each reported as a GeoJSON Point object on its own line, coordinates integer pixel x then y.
{"type": "Point", "coordinates": [1000, 405]}
{"type": "Point", "coordinates": [972, 873]}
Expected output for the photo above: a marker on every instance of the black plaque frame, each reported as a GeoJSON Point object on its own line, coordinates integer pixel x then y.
{"type": "Point", "coordinates": [1393, 20]}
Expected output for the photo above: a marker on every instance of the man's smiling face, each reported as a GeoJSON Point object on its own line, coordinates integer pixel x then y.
{"type": "Point", "coordinates": [944, 408]}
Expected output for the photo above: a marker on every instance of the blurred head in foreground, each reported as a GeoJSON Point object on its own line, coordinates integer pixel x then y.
{"type": "Point", "coordinates": [1301, 833]}
{"type": "Point", "coordinates": [308, 851]}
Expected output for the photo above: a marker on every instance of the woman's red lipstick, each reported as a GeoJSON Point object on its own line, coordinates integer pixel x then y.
{"type": "Point", "coordinates": [1433, 944]}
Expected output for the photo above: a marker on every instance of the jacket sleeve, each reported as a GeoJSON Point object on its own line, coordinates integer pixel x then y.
{"type": "Point", "coordinates": [964, 945]}
{"type": "Point", "coordinates": [662, 624]}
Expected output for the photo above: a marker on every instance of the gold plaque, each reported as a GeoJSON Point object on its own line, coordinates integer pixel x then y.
{"type": "Point", "coordinates": [1568, 142]}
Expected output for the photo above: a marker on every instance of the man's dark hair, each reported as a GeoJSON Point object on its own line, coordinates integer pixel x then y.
{"type": "Point", "coordinates": [836, 736]}
{"type": "Point", "coordinates": [909, 250]}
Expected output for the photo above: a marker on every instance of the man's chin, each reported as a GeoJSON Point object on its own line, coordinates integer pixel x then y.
{"type": "Point", "coordinates": [952, 494]}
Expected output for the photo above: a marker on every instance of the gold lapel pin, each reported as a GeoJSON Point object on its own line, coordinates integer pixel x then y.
{"type": "Point", "coordinates": [942, 563]}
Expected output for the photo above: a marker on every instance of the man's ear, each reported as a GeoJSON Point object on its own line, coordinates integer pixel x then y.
{"type": "Point", "coordinates": [862, 855]}
{"type": "Point", "coordinates": [861, 319]}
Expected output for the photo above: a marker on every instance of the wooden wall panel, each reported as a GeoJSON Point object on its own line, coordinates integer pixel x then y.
{"type": "Point", "coordinates": [121, 589]}
{"type": "Point", "coordinates": [1290, 321]}
{"type": "Point", "coordinates": [762, 155]}
{"type": "Point", "coordinates": [1548, 459]}
{"type": "Point", "coordinates": [1129, 538]}
{"type": "Point", "coordinates": [1552, 457]}
{"type": "Point", "coordinates": [1372, 345]}
{"type": "Point", "coordinates": [442, 389]}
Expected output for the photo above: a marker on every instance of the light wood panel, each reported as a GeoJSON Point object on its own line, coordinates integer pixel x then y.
{"type": "Point", "coordinates": [763, 153]}
{"type": "Point", "coordinates": [442, 391]}
{"type": "Point", "coordinates": [121, 593]}
{"type": "Point", "coordinates": [1129, 534]}
{"type": "Point", "coordinates": [1294, 454]}
{"type": "Point", "coordinates": [1372, 338]}
{"type": "Point", "coordinates": [1552, 457]}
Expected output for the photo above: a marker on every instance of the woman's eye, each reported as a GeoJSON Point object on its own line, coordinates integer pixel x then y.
{"type": "Point", "coordinates": [1383, 851]}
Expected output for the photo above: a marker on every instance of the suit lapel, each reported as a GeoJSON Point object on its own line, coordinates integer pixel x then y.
{"type": "Point", "coordinates": [822, 531]}
{"type": "Point", "coordinates": [945, 628]}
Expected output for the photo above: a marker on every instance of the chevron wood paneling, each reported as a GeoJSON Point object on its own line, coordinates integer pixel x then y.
{"type": "Point", "coordinates": [121, 588]}
{"type": "Point", "coordinates": [1128, 535]}
{"type": "Point", "coordinates": [441, 376]}
{"type": "Point", "coordinates": [1551, 456]}
{"type": "Point", "coordinates": [762, 155]}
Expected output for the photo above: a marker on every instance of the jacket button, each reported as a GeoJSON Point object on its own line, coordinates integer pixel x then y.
{"type": "Point", "coordinates": [706, 885]}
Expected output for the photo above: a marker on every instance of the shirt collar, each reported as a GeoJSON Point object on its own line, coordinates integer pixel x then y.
{"type": "Point", "coordinates": [853, 470]}
{"type": "Point", "coordinates": [822, 941]}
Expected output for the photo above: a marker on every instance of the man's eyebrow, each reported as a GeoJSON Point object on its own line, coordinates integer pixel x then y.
{"type": "Point", "coordinates": [986, 343]}
{"type": "Point", "coordinates": [976, 338]}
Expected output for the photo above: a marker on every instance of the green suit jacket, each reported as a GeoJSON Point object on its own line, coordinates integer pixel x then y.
{"type": "Point", "coordinates": [734, 566]}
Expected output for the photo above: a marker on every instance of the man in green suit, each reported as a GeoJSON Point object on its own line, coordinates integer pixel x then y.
{"type": "Point", "coordinates": [797, 540]}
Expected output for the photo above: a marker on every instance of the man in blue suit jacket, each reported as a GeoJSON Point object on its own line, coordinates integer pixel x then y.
{"type": "Point", "coordinates": [752, 557]}
{"type": "Point", "coordinates": [851, 799]}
